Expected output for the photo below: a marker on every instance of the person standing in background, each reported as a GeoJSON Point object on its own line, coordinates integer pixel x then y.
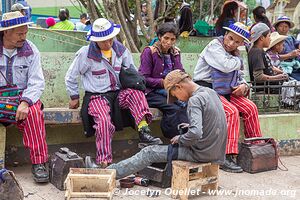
{"type": "Point", "coordinates": [64, 23]}
{"type": "Point", "coordinates": [27, 11]}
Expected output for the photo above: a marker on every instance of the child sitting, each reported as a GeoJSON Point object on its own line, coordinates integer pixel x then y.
{"type": "Point", "coordinates": [276, 46]}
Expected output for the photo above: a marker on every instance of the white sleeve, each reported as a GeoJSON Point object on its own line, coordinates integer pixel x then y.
{"type": "Point", "coordinates": [218, 58]}
{"type": "Point", "coordinates": [78, 67]}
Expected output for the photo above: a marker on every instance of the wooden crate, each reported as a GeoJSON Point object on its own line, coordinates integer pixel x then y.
{"type": "Point", "coordinates": [90, 183]}
{"type": "Point", "coordinates": [190, 175]}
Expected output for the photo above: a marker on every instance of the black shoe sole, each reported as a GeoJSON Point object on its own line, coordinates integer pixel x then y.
{"type": "Point", "coordinates": [41, 180]}
{"type": "Point", "coordinates": [232, 170]}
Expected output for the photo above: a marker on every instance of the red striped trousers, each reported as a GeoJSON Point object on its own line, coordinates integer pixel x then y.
{"type": "Point", "coordinates": [34, 134]}
{"type": "Point", "coordinates": [249, 114]}
{"type": "Point", "coordinates": [99, 109]}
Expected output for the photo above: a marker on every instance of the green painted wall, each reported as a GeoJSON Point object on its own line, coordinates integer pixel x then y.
{"type": "Point", "coordinates": [281, 126]}
{"type": "Point", "coordinates": [55, 66]}
{"type": "Point", "coordinates": [56, 41]}
{"type": "Point", "coordinates": [70, 41]}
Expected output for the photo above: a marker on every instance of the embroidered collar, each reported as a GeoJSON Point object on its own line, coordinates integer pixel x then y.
{"type": "Point", "coordinates": [173, 50]}
{"type": "Point", "coordinates": [25, 50]}
{"type": "Point", "coordinates": [94, 51]}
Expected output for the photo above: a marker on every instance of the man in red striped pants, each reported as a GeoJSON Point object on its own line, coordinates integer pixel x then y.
{"type": "Point", "coordinates": [219, 67]}
{"type": "Point", "coordinates": [99, 65]}
{"type": "Point", "coordinates": [20, 61]}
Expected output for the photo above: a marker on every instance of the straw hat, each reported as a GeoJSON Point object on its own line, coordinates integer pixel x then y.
{"type": "Point", "coordinates": [276, 38]}
{"type": "Point", "coordinates": [18, 7]}
{"type": "Point", "coordinates": [284, 19]}
{"type": "Point", "coordinates": [12, 20]}
{"type": "Point", "coordinates": [103, 30]}
{"type": "Point", "coordinates": [240, 30]}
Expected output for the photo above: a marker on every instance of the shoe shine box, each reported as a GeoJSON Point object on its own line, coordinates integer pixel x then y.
{"type": "Point", "coordinates": [60, 164]}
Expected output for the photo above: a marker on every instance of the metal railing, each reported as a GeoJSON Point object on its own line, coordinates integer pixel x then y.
{"type": "Point", "coordinates": [276, 98]}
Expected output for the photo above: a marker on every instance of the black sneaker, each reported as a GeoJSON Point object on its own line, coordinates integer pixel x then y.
{"type": "Point", "coordinates": [40, 173]}
{"type": "Point", "coordinates": [230, 165]}
{"type": "Point", "coordinates": [146, 139]}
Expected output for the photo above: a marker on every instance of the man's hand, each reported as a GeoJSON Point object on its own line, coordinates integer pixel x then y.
{"type": "Point", "coordinates": [22, 111]}
{"type": "Point", "coordinates": [73, 104]}
{"type": "Point", "coordinates": [280, 77]}
{"type": "Point", "coordinates": [240, 90]}
{"type": "Point", "coordinates": [175, 139]}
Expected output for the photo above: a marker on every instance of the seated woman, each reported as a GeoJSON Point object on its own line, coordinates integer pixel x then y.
{"type": "Point", "coordinates": [291, 49]}
{"type": "Point", "coordinates": [64, 23]}
{"type": "Point", "coordinates": [156, 62]}
{"type": "Point", "coordinates": [260, 67]}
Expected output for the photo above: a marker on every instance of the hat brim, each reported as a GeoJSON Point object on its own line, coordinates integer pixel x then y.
{"type": "Point", "coordinates": [115, 32]}
{"type": "Point", "coordinates": [170, 99]}
{"type": "Point", "coordinates": [279, 39]}
{"type": "Point", "coordinates": [229, 29]}
{"type": "Point", "coordinates": [287, 21]}
{"type": "Point", "coordinates": [15, 26]}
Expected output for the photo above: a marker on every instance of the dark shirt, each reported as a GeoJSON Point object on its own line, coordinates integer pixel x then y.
{"type": "Point", "coordinates": [186, 19]}
{"type": "Point", "coordinates": [259, 60]}
{"type": "Point", "coordinates": [226, 23]}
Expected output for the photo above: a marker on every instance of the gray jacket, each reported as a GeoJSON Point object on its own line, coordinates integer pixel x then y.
{"type": "Point", "coordinates": [207, 134]}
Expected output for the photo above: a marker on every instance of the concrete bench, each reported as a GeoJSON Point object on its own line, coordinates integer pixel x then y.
{"type": "Point", "coordinates": [55, 116]}
{"type": "Point", "coordinates": [58, 116]}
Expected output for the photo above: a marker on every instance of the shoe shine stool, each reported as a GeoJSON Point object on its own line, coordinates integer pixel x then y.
{"type": "Point", "coordinates": [192, 176]}
{"type": "Point", "coordinates": [90, 183]}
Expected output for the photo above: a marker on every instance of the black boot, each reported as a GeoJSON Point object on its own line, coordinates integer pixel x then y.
{"type": "Point", "coordinates": [146, 139]}
{"type": "Point", "coordinates": [230, 165]}
{"type": "Point", "coordinates": [40, 173]}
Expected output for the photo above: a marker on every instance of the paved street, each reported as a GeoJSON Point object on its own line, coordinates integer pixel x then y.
{"type": "Point", "coordinates": [275, 185]}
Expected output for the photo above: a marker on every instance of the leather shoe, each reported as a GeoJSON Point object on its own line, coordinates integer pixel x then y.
{"type": "Point", "coordinates": [230, 166]}
{"type": "Point", "coordinates": [146, 139]}
{"type": "Point", "coordinates": [40, 173]}
{"type": "Point", "coordinates": [89, 163]}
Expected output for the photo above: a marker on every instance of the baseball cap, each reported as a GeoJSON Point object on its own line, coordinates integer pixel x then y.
{"type": "Point", "coordinates": [257, 31]}
{"type": "Point", "coordinates": [173, 78]}
{"type": "Point", "coordinates": [18, 7]}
